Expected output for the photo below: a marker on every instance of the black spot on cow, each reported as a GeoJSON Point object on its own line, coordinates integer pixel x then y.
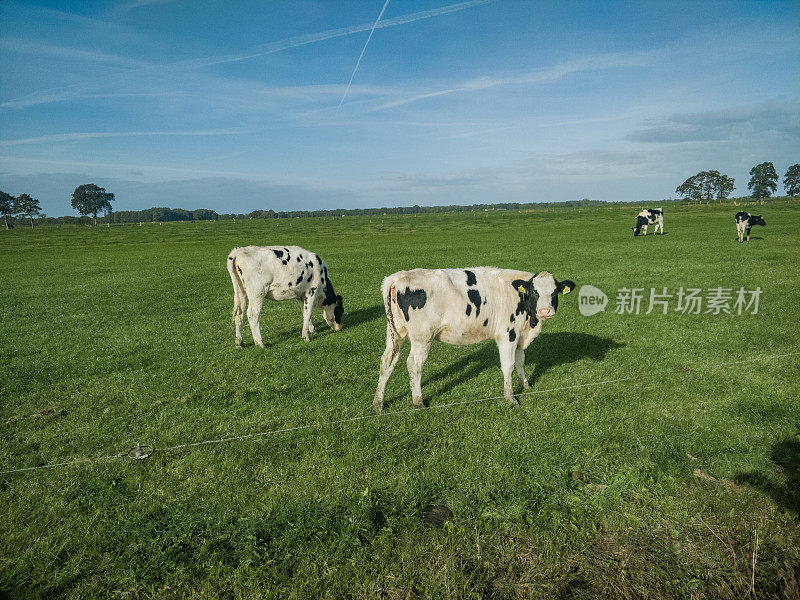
{"type": "Point", "coordinates": [230, 258]}
{"type": "Point", "coordinates": [309, 264]}
{"type": "Point", "coordinates": [411, 299]}
{"type": "Point", "coordinates": [298, 259]}
{"type": "Point", "coordinates": [330, 295]}
{"type": "Point", "coordinates": [290, 284]}
{"type": "Point", "coordinates": [640, 222]}
{"type": "Point", "coordinates": [475, 297]}
{"type": "Point", "coordinates": [299, 279]}
{"type": "Point", "coordinates": [319, 260]}
{"type": "Point", "coordinates": [338, 310]}
{"type": "Point", "coordinates": [310, 277]}
{"type": "Point", "coordinates": [485, 322]}
{"type": "Point", "coordinates": [278, 253]}
{"type": "Point", "coordinates": [512, 335]}
{"type": "Point", "coordinates": [528, 297]}
{"type": "Point", "coordinates": [471, 280]}
{"type": "Point", "coordinates": [469, 309]}
{"type": "Point", "coordinates": [285, 262]}
{"type": "Point", "coordinates": [238, 268]}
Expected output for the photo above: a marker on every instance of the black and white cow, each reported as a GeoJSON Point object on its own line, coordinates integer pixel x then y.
{"type": "Point", "coordinates": [745, 222]}
{"type": "Point", "coordinates": [281, 273]}
{"type": "Point", "coordinates": [465, 306]}
{"type": "Point", "coordinates": [647, 217]}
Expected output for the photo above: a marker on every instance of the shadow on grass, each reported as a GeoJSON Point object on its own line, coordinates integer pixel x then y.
{"type": "Point", "coordinates": [350, 319]}
{"type": "Point", "coordinates": [547, 351]}
{"type": "Point", "coordinates": [362, 315]}
{"type": "Point", "coordinates": [784, 485]}
{"type": "Point", "coordinates": [554, 349]}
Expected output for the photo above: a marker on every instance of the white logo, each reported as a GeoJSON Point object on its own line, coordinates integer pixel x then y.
{"type": "Point", "coordinates": [591, 300]}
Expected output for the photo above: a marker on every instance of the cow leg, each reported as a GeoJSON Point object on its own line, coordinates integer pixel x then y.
{"type": "Point", "coordinates": [238, 317]}
{"type": "Point", "coordinates": [253, 312]}
{"type": "Point", "coordinates": [308, 328]}
{"type": "Point", "coordinates": [394, 343]}
{"type": "Point", "coordinates": [519, 362]}
{"type": "Point", "coordinates": [416, 358]}
{"type": "Point", "coordinates": [507, 352]}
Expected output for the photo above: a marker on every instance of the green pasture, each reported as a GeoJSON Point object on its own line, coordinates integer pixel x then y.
{"type": "Point", "coordinates": [683, 481]}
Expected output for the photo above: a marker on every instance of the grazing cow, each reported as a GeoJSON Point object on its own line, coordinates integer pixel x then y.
{"type": "Point", "coordinates": [465, 306]}
{"type": "Point", "coordinates": [281, 273]}
{"type": "Point", "coordinates": [647, 217]}
{"type": "Point", "coordinates": [745, 222]}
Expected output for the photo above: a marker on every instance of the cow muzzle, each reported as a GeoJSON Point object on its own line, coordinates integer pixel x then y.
{"type": "Point", "coordinates": [544, 313]}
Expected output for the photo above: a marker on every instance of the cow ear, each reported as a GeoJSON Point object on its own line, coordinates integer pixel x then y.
{"type": "Point", "coordinates": [565, 287]}
{"type": "Point", "coordinates": [522, 286]}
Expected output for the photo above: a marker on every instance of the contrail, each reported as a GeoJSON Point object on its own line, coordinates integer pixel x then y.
{"type": "Point", "coordinates": [360, 56]}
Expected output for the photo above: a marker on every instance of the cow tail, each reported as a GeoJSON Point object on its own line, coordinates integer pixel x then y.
{"type": "Point", "coordinates": [239, 293]}
{"type": "Point", "coordinates": [390, 299]}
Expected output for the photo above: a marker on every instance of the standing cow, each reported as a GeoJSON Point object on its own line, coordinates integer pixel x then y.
{"type": "Point", "coordinates": [281, 273]}
{"type": "Point", "coordinates": [465, 306]}
{"type": "Point", "coordinates": [745, 222]}
{"type": "Point", "coordinates": [647, 217]}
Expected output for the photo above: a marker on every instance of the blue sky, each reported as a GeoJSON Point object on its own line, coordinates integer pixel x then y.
{"type": "Point", "coordinates": [237, 106]}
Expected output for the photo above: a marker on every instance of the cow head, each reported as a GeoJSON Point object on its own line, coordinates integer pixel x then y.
{"type": "Point", "coordinates": [758, 220]}
{"type": "Point", "coordinates": [333, 311]}
{"type": "Point", "coordinates": [640, 222]}
{"type": "Point", "coordinates": [539, 294]}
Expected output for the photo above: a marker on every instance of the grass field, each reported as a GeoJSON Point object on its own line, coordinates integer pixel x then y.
{"type": "Point", "coordinates": [683, 482]}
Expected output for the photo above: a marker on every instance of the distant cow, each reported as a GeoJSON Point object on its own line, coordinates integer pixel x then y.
{"type": "Point", "coordinates": [647, 217]}
{"type": "Point", "coordinates": [745, 222]}
{"type": "Point", "coordinates": [281, 273]}
{"type": "Point", "coordinates": [465, 306]}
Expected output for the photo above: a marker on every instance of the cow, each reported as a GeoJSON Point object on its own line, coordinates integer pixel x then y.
{"type": "Point", "coordinates": [745, 222]}
{"type": "Point", "coordinates": [460, 307]}
{"type": "Point", "coordinates": [281, 273]}
{"type": "Point", "coordinates": [647, 217]}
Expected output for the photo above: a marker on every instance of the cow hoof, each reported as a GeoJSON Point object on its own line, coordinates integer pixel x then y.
{"type": "Point", "coordinates": [526, 385]}
{"type": "Point", "coordinates": [260, 344]}
{"type": "Point", "coordinates": [513, 401]}
{"type": "Point", "coordinates": [418, 403]}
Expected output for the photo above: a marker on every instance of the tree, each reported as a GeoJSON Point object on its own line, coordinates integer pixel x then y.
{"type": "Point", "coordinates": [6, 207]}
{"type": "Point", "coordinates": [690, 189]}
{"type": "Point", "coordinates": [89, 199]}
{"type": "Point", "coordinates": [25, 205]}
{"type": "Point", "coordinates": [706, 185]}
{"type": "Point", "coordinates": [791, 183]}
{"type": "Point", "coordinates": [763, 181]}
{"type": "Point", "coordinates": [724, 187]}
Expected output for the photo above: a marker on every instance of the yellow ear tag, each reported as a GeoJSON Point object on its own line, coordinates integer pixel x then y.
{"type": "Point", "coordinates": [522, 289]}
{"type": "Point", "coordinates": [566, 290]}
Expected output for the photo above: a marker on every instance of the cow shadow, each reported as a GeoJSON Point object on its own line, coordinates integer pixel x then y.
{"type": "Point", "coordinates": [349, 319]}
{"type": "Point", "coordinates": [362, 315]}
{"type": "Point", "coordinates": [555, 349]}
{"type": "Point", "coordinates": [547, 351]}
{"type": "Point", "coordinates": [784, 486]}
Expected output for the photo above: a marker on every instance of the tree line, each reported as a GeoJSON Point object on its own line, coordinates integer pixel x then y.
{"type": "Point", "coordinates": [713, 185]}
{"type": "Point", "coordinates": [89, 200]}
